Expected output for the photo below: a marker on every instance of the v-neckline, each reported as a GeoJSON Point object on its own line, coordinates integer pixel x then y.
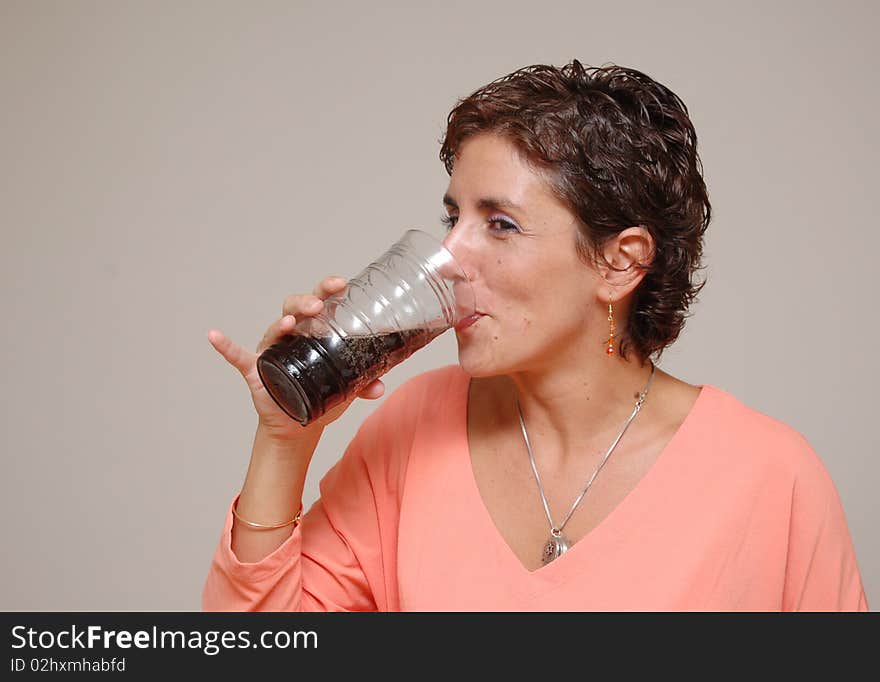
{"type": "Point", "coordinates": [558, 567]}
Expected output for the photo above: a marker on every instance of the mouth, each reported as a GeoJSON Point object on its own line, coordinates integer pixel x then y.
{"type": "Point", "coordinates": [468, 321]}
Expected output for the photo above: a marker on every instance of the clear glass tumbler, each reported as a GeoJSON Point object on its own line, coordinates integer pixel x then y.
{"type": "Point", "coordinates": [399, 303]}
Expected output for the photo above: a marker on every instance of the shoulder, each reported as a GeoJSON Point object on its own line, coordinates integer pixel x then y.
{"type": "Point", "coordinates": [423, 392]}
{"type": "Point", "coordinates": [421, 399]}
{"type": "Point", "coordinates": [383, 444]}
{"type": "Point", "coordinates": [441, 379]}
{"type": "Point", "coordinates": [755, 438]}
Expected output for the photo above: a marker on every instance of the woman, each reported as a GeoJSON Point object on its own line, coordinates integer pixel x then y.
{"type": "Point", "coordinates": [555, 467]}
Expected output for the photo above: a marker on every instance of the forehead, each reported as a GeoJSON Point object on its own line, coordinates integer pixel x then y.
{"type": "Point", "coordinates": [490, 165]}
{"type": "Point", "coordinates": [491, 158]}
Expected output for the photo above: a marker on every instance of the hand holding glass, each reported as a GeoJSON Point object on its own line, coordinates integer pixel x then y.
{"type": "Point", "coordinates": [399, 303]}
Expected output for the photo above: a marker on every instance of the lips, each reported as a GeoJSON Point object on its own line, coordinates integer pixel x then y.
{"type": "Point", "coordinates": [468, 321]}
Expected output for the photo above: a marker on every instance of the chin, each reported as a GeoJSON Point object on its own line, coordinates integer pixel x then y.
{"type": "Point", "coordinates": [471, 361]}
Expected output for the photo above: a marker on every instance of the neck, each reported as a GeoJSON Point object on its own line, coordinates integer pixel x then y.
{"type": "Point", "coordinates": [573, 412]}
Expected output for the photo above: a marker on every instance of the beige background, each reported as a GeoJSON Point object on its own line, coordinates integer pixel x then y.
{"type": "Point", "coordinates": [168, 167]}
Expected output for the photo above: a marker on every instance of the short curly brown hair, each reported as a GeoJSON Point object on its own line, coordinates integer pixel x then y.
{"type": "Point", "coordinates": [619, 149]}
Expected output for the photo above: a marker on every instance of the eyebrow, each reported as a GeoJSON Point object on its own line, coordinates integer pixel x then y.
{"type": "Point", "coordinates": [487, 203]}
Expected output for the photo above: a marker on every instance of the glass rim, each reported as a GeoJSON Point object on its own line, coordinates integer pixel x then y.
{"type": "Point", "coordinates": [438, 243]}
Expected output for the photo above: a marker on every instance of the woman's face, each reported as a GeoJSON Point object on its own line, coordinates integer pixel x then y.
{"type": "Point", "coordinates": [516, 241]}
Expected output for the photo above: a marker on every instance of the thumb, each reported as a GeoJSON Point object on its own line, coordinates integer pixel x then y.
{"type": "Point", "coordinates": [375, 390]}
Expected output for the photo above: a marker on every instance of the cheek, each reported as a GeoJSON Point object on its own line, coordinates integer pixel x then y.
{"type": "Point", "coordinates": [541, 314]}
{"type": "Point", "coordinates": [522, 303]}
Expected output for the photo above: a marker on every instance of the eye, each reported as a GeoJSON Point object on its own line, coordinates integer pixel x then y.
{"type": "Point", "coordinates": [501, 223]}
{"type": "Point", "coordinates": [504, 224]}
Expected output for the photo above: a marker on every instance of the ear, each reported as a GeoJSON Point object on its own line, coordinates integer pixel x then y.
{"type": "Point", "coordinates": [627, 257]}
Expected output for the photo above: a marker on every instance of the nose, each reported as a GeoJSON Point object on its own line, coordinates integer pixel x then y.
{"type": "Point", "coordinates": [458, 272]}
{"type": "Point", "coordinates": [456, 243]}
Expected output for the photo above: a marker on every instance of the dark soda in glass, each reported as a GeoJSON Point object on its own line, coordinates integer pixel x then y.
{"type": "Point", "coordinates": [308, 376]}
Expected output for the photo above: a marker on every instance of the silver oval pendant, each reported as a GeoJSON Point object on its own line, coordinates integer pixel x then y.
{"type": "Point", "coordinates": [555, 547]}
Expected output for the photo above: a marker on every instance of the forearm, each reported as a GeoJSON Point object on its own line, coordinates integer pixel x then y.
{"type": "Point", "coordinates": [272, 492]}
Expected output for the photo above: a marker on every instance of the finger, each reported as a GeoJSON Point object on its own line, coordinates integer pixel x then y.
{"type": "Point", "coordinates": [374, 390]}
{"type": "Point", "coordinates": [302, 305]}
{"type": "Point", "coordinates": [307, 305]}
{"type": "Point", "coordinates": [329, 286]}
{"type": "Point", "coordinates": [278, 329]}
{"type": "Point", "coordinates": [235, 355]}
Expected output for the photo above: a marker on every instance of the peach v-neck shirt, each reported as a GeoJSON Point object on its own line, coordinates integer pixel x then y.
{"type": "Point", "coordinates": [737, 513]}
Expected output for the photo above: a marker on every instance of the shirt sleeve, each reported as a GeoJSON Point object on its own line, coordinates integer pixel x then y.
{"type": "Point", "coordinates": [821, 573]}
{"type": "Point", "coordinates": [343, 554]}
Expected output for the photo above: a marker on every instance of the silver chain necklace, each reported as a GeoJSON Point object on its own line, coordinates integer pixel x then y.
{"type": "Point", "coordinates": [558, 543]}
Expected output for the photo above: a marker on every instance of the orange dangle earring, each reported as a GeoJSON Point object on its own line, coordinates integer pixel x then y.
{"type": "Point", "coordinates": [610, 349]}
